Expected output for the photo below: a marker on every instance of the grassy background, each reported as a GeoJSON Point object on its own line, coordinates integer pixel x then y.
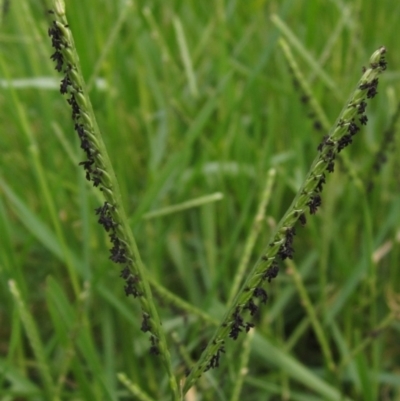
{"type": "Point", "coordinates": [195, 98]}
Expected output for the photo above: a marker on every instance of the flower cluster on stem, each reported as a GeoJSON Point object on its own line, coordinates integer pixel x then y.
{"type": "Point", "coordinates": [308, 197]}
{"type": "Point", "coordinates": [99, 171]}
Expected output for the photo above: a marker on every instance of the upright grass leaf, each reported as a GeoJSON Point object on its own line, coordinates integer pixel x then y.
{"type": "Point", "coordinates": [77, 341]}
{"type": "Point", "coordinates": [112, 38]}
{"type": "Point", "coordinates": [272, 353]}
{"type": "Point", "coordinates": [187, 61]}
{"type": "Point", "coordinates": [42, 179]}
{"type": "Point", "coordinates": [38, 228]}
{"type": "Point", "coordinates": [17, 382]}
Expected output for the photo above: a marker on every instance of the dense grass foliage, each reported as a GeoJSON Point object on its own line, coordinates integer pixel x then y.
{"type": "Point", "coordinates": [210, 139]}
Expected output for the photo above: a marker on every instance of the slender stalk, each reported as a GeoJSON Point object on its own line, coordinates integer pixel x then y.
{"type": "Point", "coordinates": [312, 314]}
{"type": "Point", "coordinates": [280, 245]}
{"type": "Point", "coordinates": [133, 388]}
{"type": "Point", "coordinates": [112, 38]}
{"type": "Point", "coordinates": [179, 303]}
{"type": "Point", "coordinates": [69, 349]}
{"type": "Point", "coordinates": [385, 322]}
{"type": "Point", "coordinates": [243, 367]}
{"type": "Point", "coordinates": [296, 44]}
{"type": "Point", "coordinates": [387, 146]}
{"type": "Point", "coordinates": [202, 200]}
{"type": "Point", "coordinates": [254, 231]}
{"type": "Point", "coordinates": [100, 173]}
{"type": "Point", "coordinates": [307, 96]}
{"type": "Point", "coordinates": [35, 341]}
{"type": "Point", "coordinates": [185, 55]}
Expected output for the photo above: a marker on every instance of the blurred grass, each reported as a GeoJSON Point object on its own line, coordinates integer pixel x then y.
{"type": "Point", "coordinates": [197, 99]}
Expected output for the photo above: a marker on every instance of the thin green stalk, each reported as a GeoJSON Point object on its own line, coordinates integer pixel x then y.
{"type": "Point", "coordinates": [282, 377]}
{"type": "Point", "coordinates": [100, 172]}
{"type": "Point", "coordinates": [344, 21]}
{"type": "Point", "coordinates": [254, 231]}
{"type": "Point", "coordinates": [307, 95]}
{"type": "Point", "coordinates": [312, 314]}
{"type": "Point", "coordinates": [186, 60]}
{"type": "Point", "coordinates": [243, 369]}
{"type": "Point", "coordinates": [177, 302]}
{"type": "Point", "coordinates": [34, 340]}
{"type": "Point", "coordinates": [159, 38]}
{"type": "Point", "coordinates": [202, 200]}
{"type": "Point", "coordinates": [389, 319]}
{"type": "Point", "coordinates": [297, 333]}
{"type": "Point", "coordinates": [388, 145]}
{"type": "Point", "coordinates": [133, 388]}
{"type": "Point", "coordinates": [280, 244]}
{"type": "Point", "coordinates": [110, 42]}
{"type": "Point", "coordinates": [184, 353]}
{"type": "Point", "coordinates": [295, 42]}
{"type": "Point", "coordinates": [69, 350]}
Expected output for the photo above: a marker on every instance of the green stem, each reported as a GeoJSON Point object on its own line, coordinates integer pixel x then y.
{"type": "Point", "coordinates": [254, 231]}
{"type": "Point", "coordinates": [35, 341]}
{"type": "Point", "coordinates": [312, 314]}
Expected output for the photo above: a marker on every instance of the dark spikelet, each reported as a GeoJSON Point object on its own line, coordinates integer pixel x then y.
{"type": "Point", "coordinates": [303, 219]}
{"type": "Point", "coordinates": [237, 324]}
{"type": "Point", "coordinates": [314, 203]}
{"type": "Point", "coordinates": [286, 249]}
{"type": "Point", "coordinates": [271, 272]}
{"type": "Point", "coordinates": [261, 293]}
{"type": "Point", "coordinates": [214, 361]}
{"type": "Point", "coordinates": [145, 323]}
{"type": "Point", "coordinates": [252, 307]}
{"type": "Point", "coordinates": [154, 348]}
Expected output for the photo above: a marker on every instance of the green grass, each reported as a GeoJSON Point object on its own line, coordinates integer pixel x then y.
{"type": "Point", "coordinates": [196, 105]}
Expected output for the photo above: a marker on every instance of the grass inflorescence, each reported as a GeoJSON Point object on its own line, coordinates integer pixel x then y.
{"type": "Point", "coordinates": [308, 197]}
{"type": "Point", "coordinates": [99, 171]}
{"type": "Point", "coordinates": [209, 142]}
